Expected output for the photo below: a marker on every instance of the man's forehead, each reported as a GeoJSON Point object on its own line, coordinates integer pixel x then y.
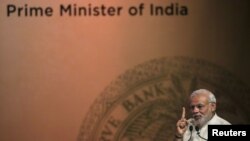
{"type": "Point", "coordinates": [199, 99]}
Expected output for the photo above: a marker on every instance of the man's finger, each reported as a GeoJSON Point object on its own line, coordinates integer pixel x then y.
{"type": "Point", "coordinates": [183, 113]}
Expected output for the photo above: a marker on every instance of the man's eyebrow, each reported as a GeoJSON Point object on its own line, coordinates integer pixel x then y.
{"type": "Point", "coordinates": [200, 104]}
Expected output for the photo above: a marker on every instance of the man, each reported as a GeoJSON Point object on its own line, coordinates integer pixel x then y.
{"type": "Point", "coordinates": [203, 107]}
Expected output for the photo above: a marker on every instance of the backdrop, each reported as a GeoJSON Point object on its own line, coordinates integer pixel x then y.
{"type": "Point", "coordinates": [115, 70]}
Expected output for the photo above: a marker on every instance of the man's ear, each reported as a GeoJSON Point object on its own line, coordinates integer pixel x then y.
{"type": "Point", "coordinates": [213, 106]}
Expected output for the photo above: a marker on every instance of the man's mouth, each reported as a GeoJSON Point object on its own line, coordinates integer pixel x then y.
{"type": "Point", "coordinates": [197, 117]}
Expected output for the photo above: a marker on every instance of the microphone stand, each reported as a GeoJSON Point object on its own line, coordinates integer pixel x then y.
{"type": "Point", "coordinates": [190, 129]}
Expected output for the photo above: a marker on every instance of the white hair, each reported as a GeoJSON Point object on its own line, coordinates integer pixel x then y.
{"type": "Point", "coordinates": [211, 97]}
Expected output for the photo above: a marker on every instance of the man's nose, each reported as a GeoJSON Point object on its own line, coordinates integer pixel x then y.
{"type": "Point", "coordinates": [195, 109]}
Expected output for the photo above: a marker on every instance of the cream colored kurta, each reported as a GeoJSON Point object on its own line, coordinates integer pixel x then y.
{"type": "Point", "coordinates": [216, 120]}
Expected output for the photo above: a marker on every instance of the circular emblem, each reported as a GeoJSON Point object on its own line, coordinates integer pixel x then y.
{"type": "Point", "coordinates": [144, 103]}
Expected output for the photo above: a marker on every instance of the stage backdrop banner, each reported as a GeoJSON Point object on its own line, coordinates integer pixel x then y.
{"type": "Point", "coordinates": [118, 70]}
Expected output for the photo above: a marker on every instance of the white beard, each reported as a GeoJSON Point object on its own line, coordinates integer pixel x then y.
{"type": "Point", "coordinates": [202, 121]}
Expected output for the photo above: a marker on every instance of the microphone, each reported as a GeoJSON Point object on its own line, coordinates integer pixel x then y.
{"type": "Point", "coordinates": [198, 132]}
{"type": "Point", "coordinates": [190, 129]}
